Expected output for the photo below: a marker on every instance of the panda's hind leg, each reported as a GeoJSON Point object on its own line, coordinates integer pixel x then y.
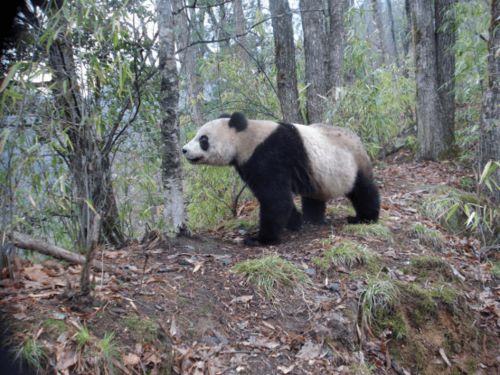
{"type": "Point", "coordinates": [313, 210]}
{"type": "Point", "coordinates": [295, 220]}
{"type": "Point", "coordinates": [366, 200]}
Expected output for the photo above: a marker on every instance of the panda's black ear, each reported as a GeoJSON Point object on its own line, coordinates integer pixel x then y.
{"type": "Point", "coordinates": [224, 115]}
{"type": "Point", "coordinates": [238, 121]}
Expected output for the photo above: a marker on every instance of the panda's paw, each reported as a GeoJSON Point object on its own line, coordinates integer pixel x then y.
{"type": "Point", "coordinates": [256, 241]}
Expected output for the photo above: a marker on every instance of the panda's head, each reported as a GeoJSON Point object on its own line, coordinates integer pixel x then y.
{"type": "Point", "coordinates": [216, 142]}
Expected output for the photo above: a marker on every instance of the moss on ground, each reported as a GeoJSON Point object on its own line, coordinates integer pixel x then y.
{"type": "Point", "coordinates": [377, 230]}
{"type": "Point", "coordinates": [427, 236]}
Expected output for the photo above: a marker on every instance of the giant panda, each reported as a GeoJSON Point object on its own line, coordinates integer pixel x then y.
{"type": "Point", "coordinates": [277, 160]}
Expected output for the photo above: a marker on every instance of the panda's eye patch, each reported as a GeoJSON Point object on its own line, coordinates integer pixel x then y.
{"type": "Point", "coordinates": [204, 142]}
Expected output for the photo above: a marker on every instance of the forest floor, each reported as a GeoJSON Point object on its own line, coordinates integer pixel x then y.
{"type": "Point", "coordinates": [415, 305]}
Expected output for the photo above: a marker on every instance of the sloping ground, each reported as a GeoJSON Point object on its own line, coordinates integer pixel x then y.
{"type": "Point", "coordinates": [415, 305]}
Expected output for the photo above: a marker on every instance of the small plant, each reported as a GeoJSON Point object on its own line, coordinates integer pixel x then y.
{"type": "Point", "coordinates": [379, 297]}
{"type": "Point", "coordinates": [431, 266]}
{"type": "Point", "coordinates": [32, 353]}
{"type": "Point", "coordinates": [427, 236]}
{"type": "Point", "coordinates": [348, 254]}
{"type": "Point", "coordinates": [443, 293]}
{"type": "Point", "coordinates": [54, 325]}
{"type": "Point", "coordinates": [495, 270]}
{"type": "Point", "coordinates": [377, 230]}
{"type": "Point", "coordinates": [108, 352]}
{"type": "Point", "coordinates": [269, 272]}
{"type": "Point", "coordinates": [82, 336]}
{"type": "Point", "coordinates": [142, 328]}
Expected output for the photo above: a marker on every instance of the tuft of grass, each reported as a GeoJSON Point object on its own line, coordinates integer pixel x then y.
{"type": "Point", "coordinates": [380, 297]}
{"type": "Point", "coordinates": [82, 336]}
{"type": "Point", "coordinates": [142, 328]}
{"type": "Point", "coordinates": [377, 230]}
{"type": "Point", "coordinates": [348, 254]}
{"type": "Point", "coordinates": [270, 272]}
{"type": "Point", "coordinates": [54, 325]}
{"type": "Point", "coordinates": [495, 270]}
{"type": "Point", "coordinates": [108, 352]}
{"type": "Point", "coordinates": [431, 266]}
{"type": "Point", "coordinates": [427, 236]}
{"type": "Point", "coordinates": [340, 210]}
{"type": "Point", "coordinates": [421, 305]}
{"type": "Point", "coordinates": [443, 293]}
{"type": "Point", "coordinates": [32, 353]}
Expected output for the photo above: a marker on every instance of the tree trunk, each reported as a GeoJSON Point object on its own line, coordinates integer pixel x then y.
{"type": "Point", "coordinates": [336, 41]}
{"type": "Point", "coordinates": [377, 16]}
{"type": "Point", "coordinates": [430, 130]}
{"type": "Point", "coordinates": [315, 52]}
{"type": "Point", "coordinates": [445, 57]}
{"type": "Point", "coordinates": [284, 48]}
{"type": "Point", "coordinates": [407, 31]}
{"type": "Point", "coordinates": [189, 57]}
{"type": "Point", "coordinates": [489, 148]}
{"type": "Point", "coordinates": [393, 46]}
{"type": "Point", "coordinates": [89, 165]}
{"type": "Point", "coordinates": [174, 213]}
{"type": "Point", "coordinates": [239, 29]}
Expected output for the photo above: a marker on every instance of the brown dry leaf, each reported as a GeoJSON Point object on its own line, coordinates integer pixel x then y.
{"type": "Point", "coordinates": [286, 370]}
{"type": "Point", "coordinates": [35, 273]}
{"type": "Point", "coordinates": [174, 331]}
{"type": "Point", "coordinates": [65, 358]}
{"type": "Point", "coordinates": [131, 359]}
{"type": "Point", "coordinates": [261, 342]}
{"type": "Point", "coordinates": [151, 357]}
{"type": "Point", "coordinates": [197, 267]}
{"type": "Point", "coordinates": [242, 299]}
{"type": "Point", "coordinates": [309, 351]}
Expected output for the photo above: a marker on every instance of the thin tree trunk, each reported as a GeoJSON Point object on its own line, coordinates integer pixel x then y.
{"type": "Point", "coordinates": [393, 43]}
{"type": "Point", "coordinates": [377, 16]}
{"type": "Point", "coordinates": [489, 149]}
{"type": "Point", "coordinates": [336, 42]}
{"type": "Point", "coordinates": [430, 130]}
{"type": "Point", "coordinates": [174, 212]}
{"type": "Point", "coordinates": [284, 48]}
{"type": "Point", "coordinates": [240, 29]}
{"type": "Point", "coordinates": [407, 31]}
{"type": "Point", "coordinates": [189, 57]}
{"type": "Point", "coordinates": [445, 62]}
{"type": "Point", "coordinates": [316, 68]}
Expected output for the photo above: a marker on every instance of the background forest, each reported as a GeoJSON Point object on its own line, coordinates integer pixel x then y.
{"type": "Point", "coordinates": [98, 96]}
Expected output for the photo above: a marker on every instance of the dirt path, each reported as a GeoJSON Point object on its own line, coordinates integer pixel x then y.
{"type": "Point", "coordinates": [178, 304]}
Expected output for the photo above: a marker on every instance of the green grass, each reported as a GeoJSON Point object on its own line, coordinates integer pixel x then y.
{"type": "Point", "coordinates": [431, 266]}
{"type": "Point", "coordinates": [82, 336]}
{"type": "Point", "coordinates": [108, 352]}
{"type": "Point", "coordinates": [54, 325]}
{"type": "Point", "coordinates": [32, 353]}
{"type": "Point", "coordinates": [141, 328]}
{"type": "Point", "coordinates": [348, 254]}
{"type": "Point", "coordinates": [340, 211]}
{"type": "Point", "coordinates": [380, 297]}
{"type": "Point", "coordinates": [495, 270]}
{"type": "Point", "coordinates": [270, 272]}
{"type": "Point", "coordinates": [427, 236]}
{"type": "Point", "coordinates": [377, 230]}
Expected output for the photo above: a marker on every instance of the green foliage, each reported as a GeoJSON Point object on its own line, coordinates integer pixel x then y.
{"type": "Point", "coordinates": [462, 212]}
{"type": "Point", "coordinates": [31, 351]}
{"type": "Point", "coordinates": [431, 266]}
{"type": "Point", "coordinates": [348, 254]}
{"type": "Point", "coordinates": [380, 297]}
{"type": "Point", "coordinates": [108, 352]}
{"type": "Point", "coordinates": [82, 336]}
{"type": "Point", "coordinates": [54, 325]}
{"type": "Point", "coordinates": [427, 236]}
{"type": "Point", "coordinates": [141, 328]}
{"type": "Point", "coordinates": [495, 270]}
{"type": "Point", "coordinates": [270, 272]}
{"type": "Point", "coordinates": [377, 230]}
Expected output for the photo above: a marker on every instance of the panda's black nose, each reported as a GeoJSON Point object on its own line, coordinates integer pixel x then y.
{"type": "Point", "coordinates": [184, 150]}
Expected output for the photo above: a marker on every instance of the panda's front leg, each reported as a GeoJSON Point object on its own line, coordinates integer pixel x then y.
{"type": "Point", "coordinates": [275, 210]}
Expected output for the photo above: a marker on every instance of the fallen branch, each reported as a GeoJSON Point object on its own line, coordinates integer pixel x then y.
{"type": "Point", "coordinates": [25, 242]}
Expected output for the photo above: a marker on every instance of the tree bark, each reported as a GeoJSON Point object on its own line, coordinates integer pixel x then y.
{"type": "Point", "coordinates": [430, 129]}
{"type": "Point", "coordinates": [393, 46]}
{"type": "Point", "coordinates": [316, 68]}
{"type": "Point", "coordinates": [89, 165]}
{"type": "Point", "coordinates": [489, 148]}
{"type": "Point", "coordinates": [239, 29]}
{"type": "Point", "coordinates": [407, 31]}
{"type": "Point", "coordinates": [377, 16]}
{"type": "Point", "coordinates": [336, 42]}
{"type": "Point", "coordinates": [174, 212]}
{"type": "Point", "coordinates": [445, 62]}
{"type": "Point", "coordinates": [187, 19]}
{"type": "Point", "coordinates": [284, 57]}
{"type": "Point", "coordinates": [25, 242]}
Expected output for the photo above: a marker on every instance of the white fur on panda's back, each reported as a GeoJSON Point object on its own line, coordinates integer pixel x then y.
{"type": "Point", "coordinates": [334, 169]}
